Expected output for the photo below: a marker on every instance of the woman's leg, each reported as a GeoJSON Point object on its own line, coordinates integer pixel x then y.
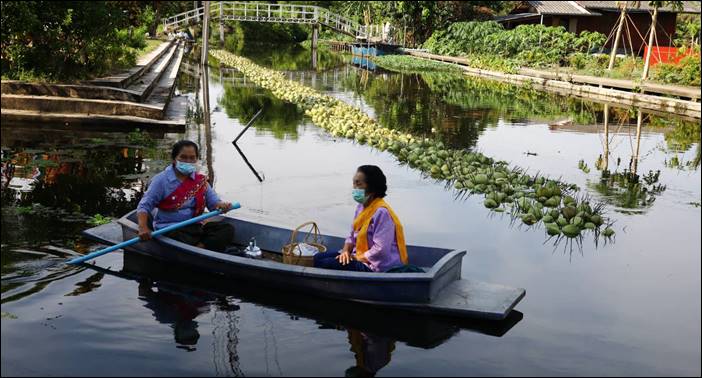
{"type": "Point", "coordinates": [190, 234]}
{"type": "Point", "coordinates": [217, 235]}
{"type": "Point", "coordinates": [327, 260]}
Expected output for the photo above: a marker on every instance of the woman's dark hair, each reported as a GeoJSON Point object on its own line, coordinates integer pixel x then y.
{"type": "Point", "coordinates": [182, 144]}
{"type": "Point", "coordinates": [375, 179]}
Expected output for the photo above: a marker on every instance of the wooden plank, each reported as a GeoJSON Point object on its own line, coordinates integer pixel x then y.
{"type": "Point", "coordinates": [674, 90]}
{"type": "Point", "coordinates": [479, 299]}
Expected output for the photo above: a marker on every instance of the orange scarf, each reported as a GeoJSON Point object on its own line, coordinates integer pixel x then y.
{"type": "Point", "coordinates": [362, 222]}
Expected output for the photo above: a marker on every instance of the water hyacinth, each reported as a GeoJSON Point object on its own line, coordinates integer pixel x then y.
{"type": "Point", "coordinates": [531, 198]}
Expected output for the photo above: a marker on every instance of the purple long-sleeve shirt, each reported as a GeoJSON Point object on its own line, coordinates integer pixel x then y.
{"type": "Point", "coordinates": [164, 184]}
{"type": "Point", "coordinates": [383, 253]}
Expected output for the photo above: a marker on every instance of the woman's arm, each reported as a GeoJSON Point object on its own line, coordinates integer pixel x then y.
{"type": "Point", "coordinates": [154, 194]}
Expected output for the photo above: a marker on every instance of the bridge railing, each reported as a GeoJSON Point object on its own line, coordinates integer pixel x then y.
{"type": "Point", "coordinates": [239, 10]}
{"type": "Point", "coordinates": [183, 17]}
{"type": "Point", "coordinates": [311, 14]}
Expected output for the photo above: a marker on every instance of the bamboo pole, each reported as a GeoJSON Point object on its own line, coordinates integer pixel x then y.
{"type": "Point", "coordinates": [205, 32]}
{"type": "Point", "coordinates": [647, 64]}
{"type": "Point", "coordinates": [606, 141]}
{"type": "Point", "coordinates": [635, 158]}
{"type": "Point", "coordinates": [622, 20]}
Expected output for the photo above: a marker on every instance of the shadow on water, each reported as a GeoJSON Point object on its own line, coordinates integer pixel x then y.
{"type": "Point", "coordinates": [177, 295]}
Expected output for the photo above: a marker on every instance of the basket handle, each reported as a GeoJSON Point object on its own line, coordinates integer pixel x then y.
{"type": "Point", "coordinates": [314, 230]}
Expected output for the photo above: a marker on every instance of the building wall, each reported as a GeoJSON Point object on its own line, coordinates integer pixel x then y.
{"type": "Point", "coordinates": [605, 23]}
{"type": "Point", "coordinates": [642, 21]}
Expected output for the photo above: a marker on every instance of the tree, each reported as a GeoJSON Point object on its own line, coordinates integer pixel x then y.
{"type": "Point", "coordinates": [60, 40]}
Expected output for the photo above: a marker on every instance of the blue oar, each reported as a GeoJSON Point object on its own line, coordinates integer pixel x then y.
{"type": "Point", "coordinates": [164, 230]}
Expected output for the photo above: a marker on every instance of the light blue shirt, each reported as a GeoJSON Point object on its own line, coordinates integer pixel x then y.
{"type": "Point", "coordinates": [161, 186]}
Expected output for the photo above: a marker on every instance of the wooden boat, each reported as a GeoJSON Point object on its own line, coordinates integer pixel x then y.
{"type": "Point", "coordinates": [439, 290]}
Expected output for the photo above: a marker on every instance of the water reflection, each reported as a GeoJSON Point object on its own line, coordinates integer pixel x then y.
{"type": "Point", "coordinates": [241, 101]}
{"type": "Point", "coordinates": [289, 57]}
{"type": "Point", "coordinates": [176, 308]}
{"type": "Point", "coordinates": [177, 296]}
{"type": "Point", "coordinates": [457, 109]}
{"type": "Point", "coordinates": [78, 171]}
{"type": "Point", "coordinates": [372, 353]}
{"type": "Point", "coordinates": [627, 190]}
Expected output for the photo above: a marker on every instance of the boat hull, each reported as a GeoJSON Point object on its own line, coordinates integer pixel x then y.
{"type": "Point", "coordinates": [439, 290]}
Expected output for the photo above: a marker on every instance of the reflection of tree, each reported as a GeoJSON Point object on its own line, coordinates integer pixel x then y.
{"type": "Point", "coordinates": [457, 109]}
{"type": "Point", "coordinates": [88, 179]}
{"type": "Point", "coordinates": [405, 102]}
{"type": "Point", "coordinates": [626, 190]}
{"type": "Point", "coordinates": [681, 136]}
{"type": "Point", "coordinates": [511, 102]}
{"type": "Point", "coordinates": [279, 117]}
{"type": "Point", "coordinates": [289, 57]}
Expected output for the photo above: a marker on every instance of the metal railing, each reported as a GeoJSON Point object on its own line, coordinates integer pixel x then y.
{"type": "Point", "coordinates": [284, 13]}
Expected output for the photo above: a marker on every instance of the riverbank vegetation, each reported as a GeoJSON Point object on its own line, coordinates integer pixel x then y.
{"type": "Point", "coordinates": [408, 64]}
{"type": "Point", "coordinates": [488, 45]}
{"type": "Point", "coordinates": [66, 41]}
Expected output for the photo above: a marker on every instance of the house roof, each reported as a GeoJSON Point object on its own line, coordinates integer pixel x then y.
{"type": "Point", "coordinates": [517, 16]}
{"type": "Point", "coordinates": [589, 8]}
{"type": "Point", "coordinates": [560, 8]}
{"type": "Point", "coordinates": [688, 6]}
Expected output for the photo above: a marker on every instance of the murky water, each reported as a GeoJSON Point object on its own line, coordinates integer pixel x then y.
{"type": "Point", "coordinates": [627, 307]}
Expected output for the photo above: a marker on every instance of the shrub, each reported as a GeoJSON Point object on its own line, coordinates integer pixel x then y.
{"type": "Point", "coordinates": [685, 72]}
{"type": "Point", "coordinates": [530, 45]}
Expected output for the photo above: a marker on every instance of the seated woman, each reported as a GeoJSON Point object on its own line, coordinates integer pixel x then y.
{"type": "Point", "coordinates": [180, 193]}
{"type": "Point", "coordinates": [377, 242]}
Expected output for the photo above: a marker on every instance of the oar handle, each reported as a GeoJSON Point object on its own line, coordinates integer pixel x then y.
{"type": "Point", "coordinates": [164, 230]}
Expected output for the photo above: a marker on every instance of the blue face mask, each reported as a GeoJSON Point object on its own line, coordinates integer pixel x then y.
{"type": "Point", "coordinates": [186, 168]}
{"type": "Point", "coordinates": [359, 195]}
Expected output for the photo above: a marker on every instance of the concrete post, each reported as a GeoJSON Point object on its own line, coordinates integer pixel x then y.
{"type": "Point", "coordinates": [221, 24]}
{"type": "Point", "coordinates": [315, 38]}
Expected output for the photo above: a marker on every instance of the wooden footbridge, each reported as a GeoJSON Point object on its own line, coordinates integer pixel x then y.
{"type": "Point", "coordinates": [281, 13]}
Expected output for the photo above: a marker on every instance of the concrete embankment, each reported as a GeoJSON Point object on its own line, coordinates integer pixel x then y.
{"type": "Point", "coordinates": [141, 96]}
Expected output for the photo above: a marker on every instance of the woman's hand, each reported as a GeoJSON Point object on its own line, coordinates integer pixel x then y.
{"type": "Point", "coordinates": [344, 257]}
{"type": "Point", "coordinates": [144, 233]}
{"type": "Point", "coordinates": [224, 206]}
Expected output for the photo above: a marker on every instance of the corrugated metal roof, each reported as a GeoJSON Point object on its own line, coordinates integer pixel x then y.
{"type": "Point", "coordinates": [559, 7]}
{"type": "Point", "coordinates": [518, 16]}
{"type": "Point", "coordinates": [688, 6]}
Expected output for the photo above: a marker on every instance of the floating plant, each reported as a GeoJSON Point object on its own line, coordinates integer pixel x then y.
{"type": "Point", "coordinates": [532, 199]}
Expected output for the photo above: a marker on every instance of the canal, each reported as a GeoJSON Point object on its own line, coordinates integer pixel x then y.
{"type": "Point", "coordinates": [628, 305]}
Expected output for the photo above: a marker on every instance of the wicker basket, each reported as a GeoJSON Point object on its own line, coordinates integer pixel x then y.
{"type": "Point", "coordinates": [292, 254]}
